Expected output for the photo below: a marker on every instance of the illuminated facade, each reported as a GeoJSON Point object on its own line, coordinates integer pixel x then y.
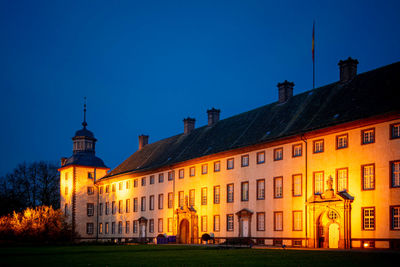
{"type": "Point", "coordinates": [318, 169]}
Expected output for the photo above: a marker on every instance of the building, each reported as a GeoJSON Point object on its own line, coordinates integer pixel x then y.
{"type": "Point", "coordinates": [317, 169]}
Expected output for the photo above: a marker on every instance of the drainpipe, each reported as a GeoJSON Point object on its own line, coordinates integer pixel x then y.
{"type": "Point", "coordinates": [97, 206]}
{"type": "Point", "coordinates": [305, 191]}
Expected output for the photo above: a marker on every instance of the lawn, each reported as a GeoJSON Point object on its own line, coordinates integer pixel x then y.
{"type": "Point", "coordinates": [174, 255]}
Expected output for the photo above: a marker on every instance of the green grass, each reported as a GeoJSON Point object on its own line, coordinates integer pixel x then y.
{"type": "Point", "coordinates": [173, 255]}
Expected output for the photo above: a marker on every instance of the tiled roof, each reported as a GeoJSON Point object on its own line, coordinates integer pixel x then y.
{"type": "Point", "coordinates": [368, 94]}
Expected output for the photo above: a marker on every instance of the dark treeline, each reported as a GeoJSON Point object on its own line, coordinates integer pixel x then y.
{"type": "Point", "coordinates": [30, 185]}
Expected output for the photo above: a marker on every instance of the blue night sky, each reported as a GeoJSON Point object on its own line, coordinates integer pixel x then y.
{"type": "Point", "coordinates": [146, 65]}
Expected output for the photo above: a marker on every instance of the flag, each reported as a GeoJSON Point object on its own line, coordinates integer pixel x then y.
{"type": "Point", "coordinates": [313, 42]}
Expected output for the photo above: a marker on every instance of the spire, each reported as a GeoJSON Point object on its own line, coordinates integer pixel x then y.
{"type": "Point", "coordinates": [84, 124]}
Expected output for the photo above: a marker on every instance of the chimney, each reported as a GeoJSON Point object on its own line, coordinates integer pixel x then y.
{"type": "Point", "coordinates": [188, 124]}
{"type": "Point", "coordinates": [285, 91]}
{"type": "Point", "coordinates": [143, 140]}
{"type": "Point", "coordinates": [348, 69]}
{"type": "Point", "coordinates": [63, 161]}
{"type": "Point", "coordinates": [213, 116]}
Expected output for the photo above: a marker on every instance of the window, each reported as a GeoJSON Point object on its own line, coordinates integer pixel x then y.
{"type": "Point", "coordinates": [66, 176]}
{"type": "Point", "coordinates": [368, 218]}
{"type": "Point", "coordinates": [169, 224]}
{"type": "Point", "coordinates": [229, 164]}
{"type": "Point", "coordinates": [216, 194]}
{"type": "Point", "coordinates": [341, 141]}
{"type": "Point", "coordinates": [143, 204]}
{"type": "Point", "coordinates": [181, 173]}
{"type": "Point", "coordinates": [260, 157]}
{"type": "Point", "coordinates": [89, 228]}
{"type": "Point", "coordinates": [107, 189]}
{"type": "Point", "coordinates": [151, 226]}
{"type": "Point", "coordinates": [128, 184]}
{"type": "Point", "coordinates": [192, 194]}
{"type": "Point", "coordinates": [100, 228]}
{"type": "Point", "coordinates": [297, 185]}
{"type": "Point", "coordinates": [120, 186]}
{"type": "Point", "coordinates": [113, 187]}
{"type": "Point", "coordinates": [160, 201]}
{"type": "Point", "coordinates": [278, 153]}
{"type": "Point", "coordinates": [151, 179]}
{"type": "Point", "coordinates": [229, 193]}
{"type": "Point", "coordinates": [318, 146]}
{"type": "Point", "coordinates": [204, 223]}
{"type": "Point", "coordinates": [395, 173]}
{"type": "Point", "coordinates": [318, 183]}
{"type": "Point", "coordinates": [113, 207]}
{"type": "Point", "coordinates": [107, 211]}
{"type": "Point", "coordinates": [143, 181]}
{"type": "Point", "coordinates": [297, 220]}
{"type": "Point", "coordinates": [161, 178]}
{"type": "Point", "coordinates": [90, 209]}
{"type": "Point", "coordinates": [368, 136]}
{"type": "Point", "coordinates": [368, 176]}
{"type": "Point", "coordinates": [395, 131]}
{"type": "Point", "coordinates": [171, 175]}
{"type": "Point", "coordinates": [204, 169]}
{"type": "Point", "coordinates": [66, 209]}
{"type": "Point", "coordinates": [127, 227]}
{"type": "Point", "coordinates": [204, 196]}
{"type": "Point", "coordinates": [90, 175]}
{"type": "Point", "coordinates": [66, 190]}
{"type": "Point", "coordinates": [297, 150]}
{"type": "Point", "coordinates": [192, 171]}
{"type": "Point", "coordinates": [278, 221]}
{"type": "Point", "coordinates": [181, 199]}
{"type": "Point", "coordinates": [260, 221]}
{"type": "Point", "coordinates": [278, 187]}
{"type": "Point", "coordinates": [395, 218]}
{"type": "Point", "coordinates": [135, 183]}
{"type": "Point", "coordinates": [127, 205]}
{"type": "Point", "coordinates": [341, 179]}
{"type": "Point", "coordinates": [217, 166]}
{"type": "Point", "coordinates": [245, 191]}
{"type": "Point", "coordinates": [101, 190]}
{"type": "Point", "coordinates": [216, 223]}
{"type": "Point", "coordinates": [229, 222]}
{"type": "Point", "coordinates": [113, 228]}
{"type": "Point", "coordinates": [119, 227]}
{"type": "Point", "coordinates": [160, 225]}
{"type": "Point", "coordinates": [135, 226]}
{"type": "Point", "coordinates": [245, 160]}
{"type": "Point", "coordinates": [260, 189]}
{"type": "Point", "coordinates": [170, 200]}
{"type": "Point", "coordinates": [107, 228]}
{"type": "Point", "coordinates": [135, 204]}
{"type": "Point", "coordinates": [151, 202]}
{"type": "Point", "coordinates": [120, 206]}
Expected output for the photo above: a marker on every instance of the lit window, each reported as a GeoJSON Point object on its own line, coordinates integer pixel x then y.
{"type": "Point", "coordinates": [204, 169]}
{"type": "Point", "coordinates": [170, 200]}
{"type": "Point", "coordinates": [297, 185]}
{"type": "Point", "coordinates": [368, 136]}
{"type": "Point", "coordinates": [151, 202]}
{"type": "Point", "coordinates": [341, 180]}
{"type": "Point", "coordinates": [143, 181]}
{"type": "Point", "coordinates": [216, 223]}
{"type": "Point", "coordinates": [107, 228]}
{"type": "Point", "coordinates": [245, 191]}
{"type": "Point", "coordinates": [66, 190]}
{"type": "Point", "coordinates": [135, 204]}
{"type": "Point", "coordinates": [192, 171]}
{"type": "Point", "coordinates": [395, 173]}
{"type": "Point", "coordinates": [278, 153]}
{"type": "Point", "coordinates": [341, 141]}
{"type": "Point", "coordinates": [192, 194]}
{"type": "Point", "coordinates": [143, 204]}
{"type": "Point", "coordinates": [160, 201]}
{"type": "Point", "coordinates": [151, 179]}
{"type": "Point", "coordinates": [127, 205]}
{"type": "Point", "coordinates": [90, 190]}
{"type": "Point", "coordinates": [100, 228]}
{"type": "Point", "coordinates": [297, 220]}
{"type": "Point", "coordinates": [120, 186]}
{"type": "Point", "coordinates": [127, 227]}
{"type": "Point", "coordinates": [318, 146]}
{"type": "Point", "coordinates": [368, 218]}
{"type": "Point", "coordinates": [161, 178]}
{"type": "Point", "coordinates": [278, 187]}
{"type": "Point", "coordinates": [169, 224]}
{"type": "Point", "coordinates": [260, 157]}
{"type": "Point", "coordinates": [160, 225]}
{"type": "Point", "coordinates": [229, 194]}
{"type": "Point", "coordinates": [395, 217]}
{"type": "Point", "coordinates": [217, 166]}
{"type": "Point", "coordinates": [89, 228]}
{"type": "Point", "coordinates": [229, 164]}
{"type": "Point", "coordinates": [260, 189]}
{"type": "Point", "coordinates": [297, 150]}
{"type": "Point", "coordinates": [368, 176]}
{"type": "Point", "coordinates": [181, 198]}
{"type": "Point", "coordinates": [181, 173]}
{"type": "Point", "coordinates": [107, 189]}
{"type": "Point", "coordinates": [119, 227]}
{"type": "Point", "coordinates": [171, 175]}
{"type": "Point", "coordinates": [318, 183]}
{"type": "Point", "coordinates": [90, 209]}
{"type": "Point", "coordinates": [151, 226]}
{"type": "Point", "coordinates": [278, 221]}
{"type": "Point", "coordinates": [260, 221]}
{"type": "Point", "coordinates": [113, 188]}
{"type": "Point", "coordinates": [204, 223]}
{"type": "Point", "coordinates": [245, 160]}
{"type": "Point", "coordinates": [128, 184]}
{"type": "Point", "coordinates": [229, 222]}
{"type": "Point", "coordinates": [135, 183]}
{"type": "Point", "coordinates": [204, 196]}
{"type": "Point", "coordinates": [395, 131]}
{"type": "Point", "coordinates": [216, 194]}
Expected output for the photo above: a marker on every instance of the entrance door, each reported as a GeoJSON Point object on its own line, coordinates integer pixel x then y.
{"type": "Point", "coordinates": [184, 231]}
{"type": "Point", "coordinates": [334, 235]}
{"type": "Point", "coordinates": [245, 228]}
{"type": "Point", "coordinates": [142, 230]}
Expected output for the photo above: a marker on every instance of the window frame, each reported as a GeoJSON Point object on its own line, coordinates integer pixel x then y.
{"type": "Point", "coordinates": [323, 183]}
{"type": "Point", "coordinates": [391, 208]}
{"type": "Point", "coordinates": [160, 222]}
{"type": "Point", "coordinates": [391, 135]}
{"type": "Point", "coordinates": [337, 179]}
{"type": "Point", "coordinates": [243, 197]}
{"type": "Point", "coordinates": [228, 167]}
{"type": "Point", "coordinates": [217, 164]}
{"type": "Point", "coordinates": [89, 228]}
{"type": "Point", "coordinates": [181, 173]}
{"type": "Point", "coordinates": [228, 194]}
{"type": "Point", "coordinates": [161, 178]}
{"type": "Point", "coordinates": [275, 221]}
{"type": "Point", "coordinates": [258, 226]}
{"type": "Point", "coordinates": [90, 209]}
{"type": "Point", "coordinates": [293, 220]}
{"type": "Point", "coordinates": [228, 229]}
{"type": "Point", "coordinates": [219, 194]}
{"type": "Point", "coordinates": [315, 148]}
{"type": "Point", "coordinates": [363, 177]}
{"type": "Point", "coordinates": [151, 179]}
{"type": "Point", "coordinates": [294, 148]}
{"type": "Point", "coordinates": [258, 197]}
{"type": "Point", "coordinates": [215, 217]}
{"type": "Point", "coordinates": [275, 153]}
{"type": "Point", "coordinates": [337, 141]}
{"type": "Point", "coordinates": [160, 201]}
{"type": "Point", "coordinates": [204, 168]}
{"type": "Point", "coordinates": [275, 192]}
{"type": "Point", "coordinates": [363, 219]}
{"type": "Point", "coordinates": [204, 196]}
{"type": "Point", "coordinates": [258, 160]}
{"type": "Point", "coordinates": [391, 174]}
{"type": "Point", "coordinates": [192, 171]}
{"type": "Point", "coordinates": [243, 161]}
{"type": "Point", "coordinates": [192, 197]}
{"type": "Point", "coordinates": [373, 136]}
{"type": "Point", "coordinates": [293, 185]}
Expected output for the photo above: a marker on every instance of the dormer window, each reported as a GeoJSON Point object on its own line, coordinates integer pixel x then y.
{"type": "Point", "coordinates": [90, 175]}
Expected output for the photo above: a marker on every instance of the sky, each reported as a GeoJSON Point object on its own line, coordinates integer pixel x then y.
{"type": "Point", "coordinates": [144, 66]}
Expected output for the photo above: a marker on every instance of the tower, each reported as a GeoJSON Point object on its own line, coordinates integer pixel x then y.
{"type": "Point", "coordinates": [78, 175]}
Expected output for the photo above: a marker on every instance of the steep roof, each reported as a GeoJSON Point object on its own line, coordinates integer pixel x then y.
{"type": "Point", "coordinates": [368, 94]}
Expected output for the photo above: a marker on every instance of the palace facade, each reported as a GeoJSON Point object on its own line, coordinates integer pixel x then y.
{"type": "Point", "coordinates": [318, 169]}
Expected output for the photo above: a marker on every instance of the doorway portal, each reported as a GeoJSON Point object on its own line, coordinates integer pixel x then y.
{"type": "Point", "coordinates": [334, 235]}
{"type": "Point", "coordinates": [184, 232]}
